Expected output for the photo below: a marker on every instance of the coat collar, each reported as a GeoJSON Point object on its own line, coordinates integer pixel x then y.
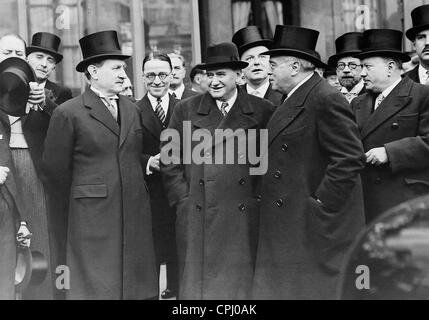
{"type": "Point", "coordinates": [398, 99]}
{"type": "Point", "coordinates": [291, 108]}
{"type": "Point", "coordinates": [99, 111]}
{"type": "Point", "coordinates": [127, 117]}
{"type": "Point", "coordinates": [238, 117]}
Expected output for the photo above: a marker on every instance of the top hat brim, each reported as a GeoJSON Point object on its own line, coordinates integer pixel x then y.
{"type": "Point", "coordinates": [296, 53]}
{"type": "Point", "coordinates": [84, 63]}
{"type": "Point", "coordinates": [384, 53]}
{"type": "Point", "coordinates": [411, 33]}
{"type": "Point", "coordinates": [263, 42]}
{"type": "Point", "coordinates": [332, 61]}
{"type": "Point", "coordinates": [227, 64]}
{"type": "Point", "coordinates": [57, 56]}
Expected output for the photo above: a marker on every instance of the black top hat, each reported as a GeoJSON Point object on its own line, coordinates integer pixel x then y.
{"type": "Point", "coordinates": [15, 76]}
{"type": "Point", "coordinates": [249, 37]}
{"type": "Point", "coordinates": [297, 42]}
{"type": "Point", "coordinates": [223, 55]}
{"type": "Point", "coordinates": [31, 268]}
{"type": "Point", "coordinates": [46, 42]}
{"type": "Point", "coordinates": [100, 46]}
{"type": "Point", "coordinates": [382, 42]}
{"type": "Point", "coordinates": [347, 45]}
{"type": "Point", "coordinates": [420, 18]}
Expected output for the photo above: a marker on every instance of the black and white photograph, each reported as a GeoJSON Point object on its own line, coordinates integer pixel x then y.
{"type": "Point", "coordinates": [216, 155]}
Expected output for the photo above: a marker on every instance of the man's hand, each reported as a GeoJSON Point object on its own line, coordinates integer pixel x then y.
{"type": "Point", "coordinates": [377, 156]}
{"type": "Point", "coordinates": [4, 171]}
{"type": "Point", "coordinates": [154, 162]}
{"type": "Point", "coordinates": [37, 96]}
{"type": "Point", "coordinates": [24, 235]}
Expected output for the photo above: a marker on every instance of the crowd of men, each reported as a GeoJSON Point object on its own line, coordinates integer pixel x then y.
{"type": "Point", "coordinates": [83, 180]}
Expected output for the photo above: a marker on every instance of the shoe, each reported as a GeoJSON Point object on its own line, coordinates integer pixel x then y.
{"type": "Point", "coordinates": [167, 294]}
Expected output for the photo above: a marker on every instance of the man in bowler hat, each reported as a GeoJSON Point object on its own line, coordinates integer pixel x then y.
{"type": "Point", "coordinates": [418, 34]}
{"type": "Point", "coordinates": [93, 156]}
{"type": "Point", "coordinates": [311, 207]}
{"type": "Point", "coordinates": [43, 56]}
{"type": "Point", "coordinates": [347, 65]}
{"type": "Point", "coordinates": [393, 120]}
{"type": "Point", "coordinates": [250, 45]}
{"type": "Point", "coordinates": [216, 204]}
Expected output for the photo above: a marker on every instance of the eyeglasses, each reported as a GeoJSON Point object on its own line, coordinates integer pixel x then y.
{"type": "Point", "coordinates": [261, 57]}
{"type": "Point", "coordinates": [351, 65]}
{"type": "Point", "coordinates": [151, 76]}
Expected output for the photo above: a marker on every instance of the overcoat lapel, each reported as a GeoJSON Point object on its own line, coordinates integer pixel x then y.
{"type": "Point", "coordinates": [126, 116]}
{"type": "Point", "coordinates": [397, 100]}
{"type": "Point", "coordinates": [290, 109]}
{"type": "Point", "coordinates": [99, 111]}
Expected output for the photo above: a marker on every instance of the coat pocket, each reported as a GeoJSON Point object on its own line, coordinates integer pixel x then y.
{"type": "Point", "coordinates": [90, 191]}
{"type": "Point", "coordinates": [418, 186]}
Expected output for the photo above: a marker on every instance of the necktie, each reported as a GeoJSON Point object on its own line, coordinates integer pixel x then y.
{"type": "Point", "coordinates": [173, 95]}
{"type": "Point", "coordinates": [111, 105]}
{"type": "Point", "coordinates": [223, 107]}
{"type": "Point", "coordinates": [378, 101]}
{"type": "Point", "coordinates": [350, 96]}
{"type": "Point", "coordinates": [159, 111]}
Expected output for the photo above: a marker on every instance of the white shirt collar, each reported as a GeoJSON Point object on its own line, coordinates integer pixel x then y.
{"type": "Point", "coordinates": [389, 89]}
{"type": "Point", "coordinates": [165, 101]}
{"type": "Point", "coordinates": [422, 74]}
{"type": "Point", "coordinates": [262, 89]}
{"type": "Point", "coordinates": [98, 93]}
{"type": "Point", "coordinates": [230, 101]}
{"type": "Point", "coordinates": [298, 85]}
{"type": "Point", "coordinates": [178, 92]}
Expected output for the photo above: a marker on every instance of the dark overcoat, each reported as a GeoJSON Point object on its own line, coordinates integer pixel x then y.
{"type": "Point", "coordinates": [314, 153]}
{"type": "Point", "coordinates": [57, 93]}
{"type": "Point", "coordinates": [274, 96]}
{"type": "Point", "coordinates": [401, 125]}
{"type": "Point", "coordinates": [217, 205]}
{"type": "Point", "coordinates": [413, 74]}
{"type": "Point", "coordinates": [163, 216]}
{"type": "Point", "coordinates": [108, 228]}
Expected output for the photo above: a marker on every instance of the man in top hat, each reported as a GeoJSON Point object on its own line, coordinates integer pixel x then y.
{"type": "Point", "coordinates": [347, 65]}
{"type": "Point", "coordinates": [250, 45]}
{"type": "Point", "coordinates": [216, 204]}
{"type": "Point", "coordinates": [15, 75]}
{"type": "Point", "coordinates": [93, 156]}
{"type": "Point", "coordinates": [156, 109]}
{"type": "Point", "coordinates": [43, 56]}
{"type": "Point", "coordinates": [198, 79]}
{"type": "Point", "coordinates": [311, 207]}
{"type": "Point", "coordinates": [331, 77]}
{"type": "Point", "coordinates": [177, 87]}
{"type": "Point", "coordinates": [393, 120]}
{"type": "Point", "coordinates": [419, 36]}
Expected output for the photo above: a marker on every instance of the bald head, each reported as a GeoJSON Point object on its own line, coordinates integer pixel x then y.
{"type": "Point", "coordinates": [12, 45]}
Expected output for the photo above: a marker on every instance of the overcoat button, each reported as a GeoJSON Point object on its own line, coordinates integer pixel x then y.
{"type": "Point", "coordinates": [259, 197]}
{"type": "Point", "coordinates": [395, 125]}
{"type": "Point", "coordinates": [201, 182]}
{"type": "Point", "coordinates": [242, 207]}
{"type": "Point", "coordinates": [198, 207]}
{"type": "Point", "coordinates": [277, 174]}
{"type": "Point", "coordinates": [279, 203]}
{"type": "Point", "coordinates": [377, 181]}
{"type": "Point", "coordinates": [285, 147]}
{"type": "Point", "coordinates": [242, 181]}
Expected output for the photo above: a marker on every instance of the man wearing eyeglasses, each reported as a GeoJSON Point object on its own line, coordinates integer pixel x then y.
{"type": "Point", "coordinates": [156, 108]}
{"type": "Point", "coordinates": [250, 45]}
{"type": "Point", "coordinates": [347, 65]}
